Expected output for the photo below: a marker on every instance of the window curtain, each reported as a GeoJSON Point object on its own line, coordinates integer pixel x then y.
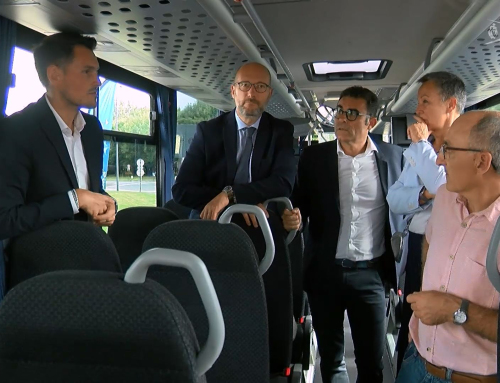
{"type": "Point", "coordinates": [7, 45]}
{"type": "Point", "coordinates": [167, 122]}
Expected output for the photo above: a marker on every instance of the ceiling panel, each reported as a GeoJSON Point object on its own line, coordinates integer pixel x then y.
{"type": "Point", "coordinates": [178, 44]}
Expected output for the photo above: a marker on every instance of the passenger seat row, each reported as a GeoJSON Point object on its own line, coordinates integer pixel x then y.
{"type": "Point", "coordinates": [233, 266]}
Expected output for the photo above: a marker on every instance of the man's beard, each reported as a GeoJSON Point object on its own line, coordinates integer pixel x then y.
{"type": "Point", "coordinates": [250, 112]}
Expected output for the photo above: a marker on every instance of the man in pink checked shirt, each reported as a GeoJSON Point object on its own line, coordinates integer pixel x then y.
{"type": "Point", "coordinates": [455, 316]}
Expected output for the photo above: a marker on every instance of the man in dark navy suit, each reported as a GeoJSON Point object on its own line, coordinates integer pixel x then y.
{"type": "Point", "coordinates": [341, 192]}
{"type": "Point", "coordinates": [243, 156]}
{"type": "Point", "coordinates": [50, 152]}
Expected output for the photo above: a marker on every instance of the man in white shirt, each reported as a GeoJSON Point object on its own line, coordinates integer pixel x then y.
{"type": "Point", "coordinates": [50, 152]}
{"type": "Point", "coordinates": [341, 191]}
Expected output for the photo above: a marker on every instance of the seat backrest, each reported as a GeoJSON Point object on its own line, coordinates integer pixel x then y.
{"type": "Point", "coordinates": [296, 251]}
{"type": "Point", "coordinates": [230, 258]}
{"type": "Point", "coordinates": [63, 245]}
{"type": "Point", "coordinates": [2, 271]}
{"type": "Point", "coordinates": [131, 228]}
{"type": "Point", "coordinates": [278, 289]}
{"type": "Point", "coordinates": [88, 326]}
{"type": "Point", "coordinates": [182, 212]}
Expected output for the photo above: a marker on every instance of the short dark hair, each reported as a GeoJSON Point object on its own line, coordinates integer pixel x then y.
{"type": "Point", "coordinates": [449, 85]}
{"type": "Point", "coordinates": [58, 49]}
{"type": "Point", "coordinates": [364, 93]}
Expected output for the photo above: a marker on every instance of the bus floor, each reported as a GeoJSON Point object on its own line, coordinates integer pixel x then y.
{"type": "Point", "coordinates": [351, 365]}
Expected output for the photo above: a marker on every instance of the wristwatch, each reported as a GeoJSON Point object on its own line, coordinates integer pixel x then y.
{"type": "Point", "coordinates": [460, 316]}
{"type": "Point", "coordinates": [230, 194]}
{"type": "Point", "coordinates": [422, 197]}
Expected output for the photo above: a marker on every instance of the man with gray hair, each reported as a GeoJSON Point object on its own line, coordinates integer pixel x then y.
{"type": "Point", "coordinates": [455, 316]}
{"type": "Point", "coordinates": [441, 100]}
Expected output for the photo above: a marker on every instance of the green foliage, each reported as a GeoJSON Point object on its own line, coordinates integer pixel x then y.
{"type": "Point", "coordinates": [131, 119]}
{"type": "Point", "coordinates": [195, 113]}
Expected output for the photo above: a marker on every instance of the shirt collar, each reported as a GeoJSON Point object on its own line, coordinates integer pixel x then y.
{"type": "Point", "coordinates": [79, 122]}
{"type": "Point", "coordinates": [370, 147]}
{"type": "Point", "coordinates": [242, 125]}
{"type": "Point", "coordinates": [491, 213]}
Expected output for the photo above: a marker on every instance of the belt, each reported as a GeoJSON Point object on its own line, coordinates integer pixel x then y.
{"type": "Point", "coordinates": [348, 264]}
{"type": "Point", "coordinates": [457, 377]}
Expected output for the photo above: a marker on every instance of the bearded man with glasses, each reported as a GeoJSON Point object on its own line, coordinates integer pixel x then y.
{"type": "Point", "coordinates": [243, 156]}
{"type": "Point", "coordinates": [342, 188]}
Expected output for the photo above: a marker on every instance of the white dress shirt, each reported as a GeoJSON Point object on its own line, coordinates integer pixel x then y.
{"type": "Point", "coordinates": [73, 141]}
{"type": "Point", "coordinates": [420, 170]}
{"type": "Point", "coordinates": [240, 144]}
{"type": "Point", "coordinates": [362, 206]}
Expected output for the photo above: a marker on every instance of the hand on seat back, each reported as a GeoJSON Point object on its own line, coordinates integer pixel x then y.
{"type": "Point", "coordinates": [291, 219]}
{"type": "Point", "coordinates": [251, 219]}
{"type": "Point", "coordinates": [212, 209]}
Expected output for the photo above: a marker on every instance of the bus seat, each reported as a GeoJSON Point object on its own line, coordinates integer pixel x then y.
{"type": "Point", "coordinates": [278, 288]}
{"type": "Point", "coordinates": [180, 211]}
{"type": "Point", "coordinates": [91, 326]}
{"type": "Point", "coordinates": [296, 251]}
{"type": "Point", "coordinates": [2, 271]}
{"type": "Point", "coordinates": [63, 245]}
{"type": "Point", "coordinates": [131, 228]}
{"type": "Point", "coordinates": [295, 242]}
{"type": "Point", "coordinates": [230, 258]}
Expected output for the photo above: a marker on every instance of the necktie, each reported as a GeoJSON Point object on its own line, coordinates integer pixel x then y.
{"type": "Point", "coordinates": [242, 171]}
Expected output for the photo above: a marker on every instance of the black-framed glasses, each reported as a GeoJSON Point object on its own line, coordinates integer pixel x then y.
{"type": "Point", "coordinates": [245, 86]}
{"type": "Point", "coordinates": [350, 114]}
{"type": "Point", "coordinates": [444, 148]}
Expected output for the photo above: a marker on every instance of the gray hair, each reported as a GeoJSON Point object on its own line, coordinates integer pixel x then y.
{"type": "Point", "coordinates": [485, 135]}
{"type": "Point", "coordinates": [449, 85]}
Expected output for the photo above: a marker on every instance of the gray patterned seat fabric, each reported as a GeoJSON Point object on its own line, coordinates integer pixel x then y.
{"type": "Point", "coordinates": [64, 245]}
{"type": "Point", "coordinates": [278, 289]}
{"type": "Point", "coordinates": [131, 228]}
{"type": "Point", "coordinates": [231, 260]}
{"type": "Point", "coordinates": [86, 326]}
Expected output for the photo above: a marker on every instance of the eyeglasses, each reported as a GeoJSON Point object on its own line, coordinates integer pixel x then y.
{"type": "Point", "coordinates": [444, 148]}
{"type": "Point", "coordinates": [350, 114]}
{"type": "Point", "coordinates": [245, 86]}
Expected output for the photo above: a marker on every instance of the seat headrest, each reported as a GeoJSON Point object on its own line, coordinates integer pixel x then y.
{"type": "Point", "coordinates": [94, 326]}
{"type": "Point", "coordinates": [225, 247]}
{"type": "Point", "coordinates": [63, 245]}
{"type": "Point", "coordinates": [132, 226]}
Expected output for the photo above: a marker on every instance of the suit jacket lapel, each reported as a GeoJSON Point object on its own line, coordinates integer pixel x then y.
{"type": "Point", "coordinates": [230, 144]}
{"type": "Point", "coordinates": [51, 128]}
{"type": "Point", "coordinates": [260, 146]}
{"type": "Point", "coordinates": [382, 170]}
{"type": "Point", "coordinates": [332, 168]}
{"type": "Point", "coordinates": [93, 157]}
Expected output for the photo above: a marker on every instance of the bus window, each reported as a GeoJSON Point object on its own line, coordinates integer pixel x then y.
{"type": "Point", "coordinates": [28, 87]}
{"type": "Point", "coordinates": [129, 163]}
{"type": "Point", "coordinates": [189, 113]}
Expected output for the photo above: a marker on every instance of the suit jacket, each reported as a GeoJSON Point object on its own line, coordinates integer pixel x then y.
{"type": "Point", "coordinates": [210, 163]}
{"type": "Point", "coordinates": [36, 172]}
{"type": "Point", "coordinates": [317, 196]}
